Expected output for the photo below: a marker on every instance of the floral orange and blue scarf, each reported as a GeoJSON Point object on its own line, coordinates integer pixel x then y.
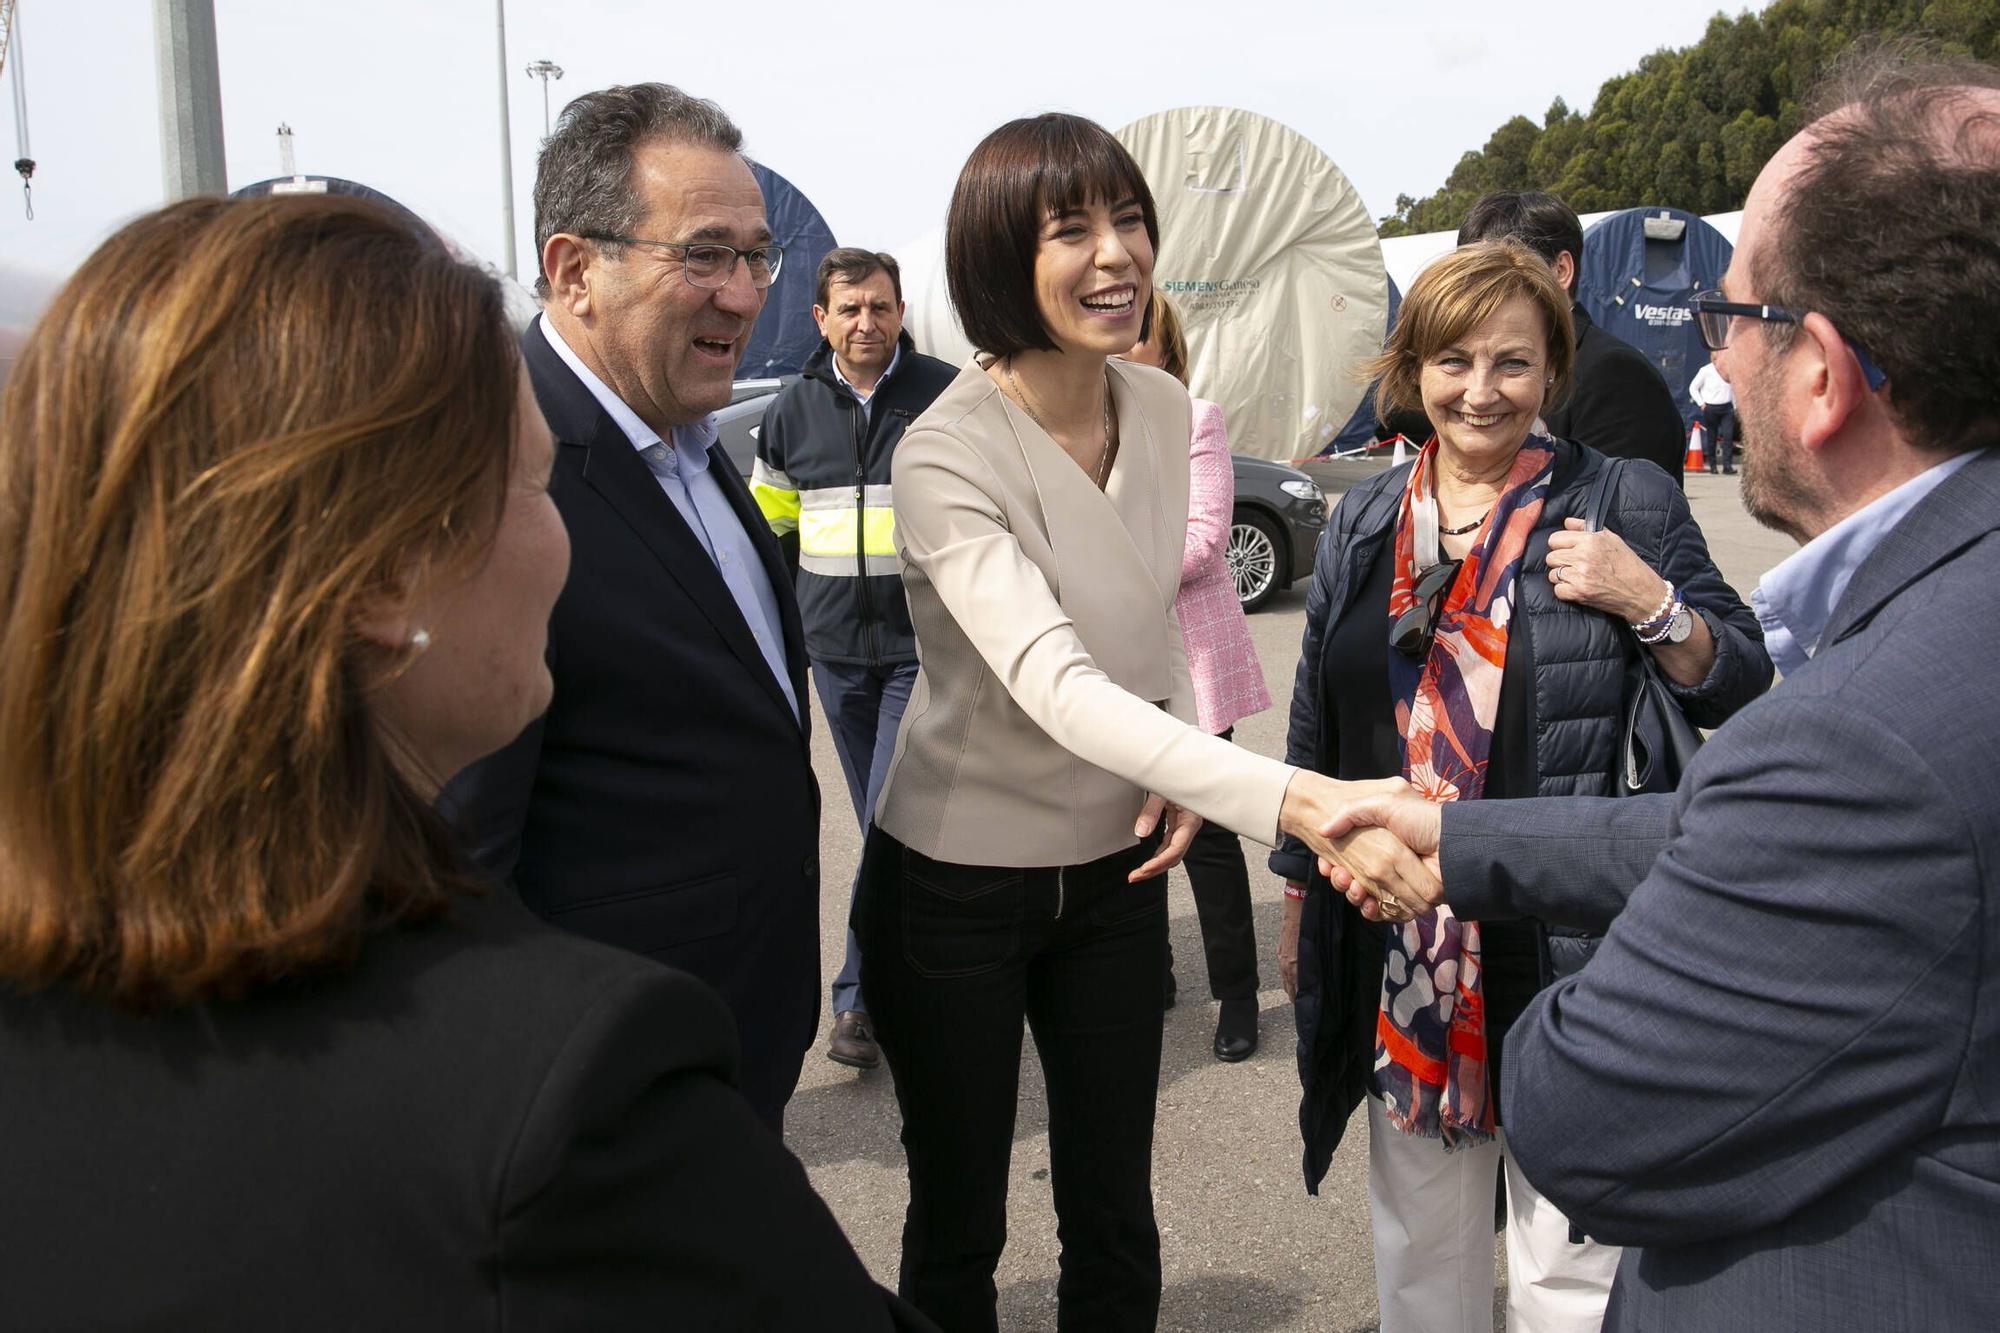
{"type": "Point", "coordinates": [1430, 1036]}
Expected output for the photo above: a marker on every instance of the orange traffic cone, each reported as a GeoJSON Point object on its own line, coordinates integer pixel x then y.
{"type": "Point", "coordinates": [1694, 462]}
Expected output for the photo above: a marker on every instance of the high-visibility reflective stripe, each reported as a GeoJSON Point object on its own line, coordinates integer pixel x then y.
{"type": "Point", "coordinates": [842, 497]}
{"type": "Point", "coordinates": [845, 532]}
{"type": "Point", "coordinates": [777, 498]}
{"type": "Point", "coordinates": [845, 566]}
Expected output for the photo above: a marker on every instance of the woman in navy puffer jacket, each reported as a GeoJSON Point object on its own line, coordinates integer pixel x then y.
{"type": "Point", "coordinates": [1462, 630]}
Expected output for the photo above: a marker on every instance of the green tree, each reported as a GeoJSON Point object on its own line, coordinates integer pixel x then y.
{"type": "Point", "coordinates": [1691, 128]}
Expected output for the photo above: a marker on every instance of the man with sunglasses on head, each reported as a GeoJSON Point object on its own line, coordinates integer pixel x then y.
{"type": "Point", "coordinates": [666, 801]}
{"type": "Point", "coordinates": [1774, 1082]}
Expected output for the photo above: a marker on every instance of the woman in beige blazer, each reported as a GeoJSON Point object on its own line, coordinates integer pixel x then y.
{"type": "Point", "coordinates": [1047, 773]}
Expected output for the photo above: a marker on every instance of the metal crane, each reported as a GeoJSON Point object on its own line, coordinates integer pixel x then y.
{"type": "Point", "coordinates": [10, 44]}
{"type": "Point", "coordinates": [6, 30]}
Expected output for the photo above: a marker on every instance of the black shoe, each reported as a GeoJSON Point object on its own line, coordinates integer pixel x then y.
{"type": "Point", "coordinates": [1236, 1031]}
{"type": "Point", "coordinates": [1729, 472]}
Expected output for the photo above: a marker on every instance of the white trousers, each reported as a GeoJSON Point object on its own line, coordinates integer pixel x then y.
{"type": "Point", "coordinates": [1433, 1215]}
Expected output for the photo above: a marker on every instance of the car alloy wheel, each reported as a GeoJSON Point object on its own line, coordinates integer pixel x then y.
{"type": "Point", "coordinates": [1253, 558]}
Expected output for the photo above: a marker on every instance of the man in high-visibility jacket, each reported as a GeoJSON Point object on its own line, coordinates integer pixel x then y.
{"type": "Point", "coordinates": [821, 478]}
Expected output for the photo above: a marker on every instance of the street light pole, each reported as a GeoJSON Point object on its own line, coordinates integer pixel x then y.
{"type": "Point", "coordinates": [545, 70]}
{"type": "Point", "coordinates": [190, 98]}
{"type": "Point", "coordinates": [506, 147]}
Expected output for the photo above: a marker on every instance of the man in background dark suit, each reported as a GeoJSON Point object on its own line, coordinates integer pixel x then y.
{"type": "Point", "coordinates": [666, 802]}
{"type": "Point", "coordinates": [1618, 405]}
{"type": "Point", "coordinates": [1775, 1080]}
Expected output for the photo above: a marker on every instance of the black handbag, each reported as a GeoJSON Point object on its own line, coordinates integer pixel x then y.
{"type": "Point", "coordinates": [1656, 742]}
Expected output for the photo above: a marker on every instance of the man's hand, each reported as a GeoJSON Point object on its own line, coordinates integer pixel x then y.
{"type": "Point", "coordinates": [1182, 825]}
{"type": "Point", "coordinates": [1408, 820]}
{"type": "Point", "coordinates": [1316, 811]}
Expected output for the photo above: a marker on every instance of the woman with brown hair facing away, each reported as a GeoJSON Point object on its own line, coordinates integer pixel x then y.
{"type": "Point", "coordinates": [276, 559]}
{"type": "Point", "coordinates": [1016, 870]}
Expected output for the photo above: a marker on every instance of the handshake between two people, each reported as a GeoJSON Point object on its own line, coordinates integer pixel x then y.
{"type": "Point", "coordinates": [1376, 841]}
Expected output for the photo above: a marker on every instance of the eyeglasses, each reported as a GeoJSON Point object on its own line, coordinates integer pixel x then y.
{"type": "Point", "coordinates": [1713, 315]}
{"type": "Point", "coordinates": [710, 266]}
{"type": "Point", "coordinates": [1413, 631]}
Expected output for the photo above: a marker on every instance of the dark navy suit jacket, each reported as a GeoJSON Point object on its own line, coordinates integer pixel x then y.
{"type": "Point", "coordinates": [666, 802]}
{"type": "Point", "coordinates": [1779, 1080]}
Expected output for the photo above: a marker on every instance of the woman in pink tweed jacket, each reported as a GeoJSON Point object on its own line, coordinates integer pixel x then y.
{"type": "Point", "coordinates": [1228, 686]}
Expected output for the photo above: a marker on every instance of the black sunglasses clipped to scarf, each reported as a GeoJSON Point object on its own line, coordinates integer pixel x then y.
{"type": "Point", "coordinates": [1413, 631]}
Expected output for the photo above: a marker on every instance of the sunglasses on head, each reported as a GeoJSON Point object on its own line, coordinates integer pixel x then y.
{"type": "Point", "coordinates": [1414, 630]}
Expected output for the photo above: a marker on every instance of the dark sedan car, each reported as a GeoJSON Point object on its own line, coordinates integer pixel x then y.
{"type": "Point", "coordinates": [1280, 511]}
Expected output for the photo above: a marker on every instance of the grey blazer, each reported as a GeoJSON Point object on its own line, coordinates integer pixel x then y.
{"type": "Point", "coordinates": [1777, 1082]}
{"type": "Point", "coordinates": [1053, 691]}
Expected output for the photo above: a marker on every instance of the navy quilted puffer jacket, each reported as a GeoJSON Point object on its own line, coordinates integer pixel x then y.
{"type": "Point", "coordinates": [1579, 679]}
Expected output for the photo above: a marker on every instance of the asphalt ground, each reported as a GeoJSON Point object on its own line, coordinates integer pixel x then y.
{"type": "Point", "coordinates": [1243, 1246]}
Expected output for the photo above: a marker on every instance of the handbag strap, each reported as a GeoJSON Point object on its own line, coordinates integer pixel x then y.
{"type": "Point", "coordinates": [1598, 505]}
{"type": "Point", "coordinates": [1682, 740]}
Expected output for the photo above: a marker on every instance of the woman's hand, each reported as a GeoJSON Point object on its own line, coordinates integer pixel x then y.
{"type": "Point", "coordinates": [1315, 803]}
{"type": "Point", "coordinates": [1288, 947]}
{"type": "Point", "coordinates": [1182, 825]}
{"type": "Point", "coordinates": [1372, 908]}
{"type": "Point", "coordinates": [1598, 570]}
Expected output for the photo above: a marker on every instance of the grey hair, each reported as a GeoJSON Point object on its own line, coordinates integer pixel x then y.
{"type": "Point", "coordinates": [583, 178]}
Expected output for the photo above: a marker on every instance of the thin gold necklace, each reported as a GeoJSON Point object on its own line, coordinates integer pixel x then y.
{"type": "Point", "coordinates": [1104, 451]}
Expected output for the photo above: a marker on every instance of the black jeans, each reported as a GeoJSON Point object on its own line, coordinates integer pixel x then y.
{"type": "Point", "coordinates": [952, 958]}
{"type": "Point", "coordinates": [1221, 884]}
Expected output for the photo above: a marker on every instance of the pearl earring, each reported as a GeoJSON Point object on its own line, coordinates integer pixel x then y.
{"type": "Point", "coordinates": [420, 639]}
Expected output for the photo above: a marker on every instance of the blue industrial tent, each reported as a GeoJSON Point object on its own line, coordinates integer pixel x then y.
{"type": "Point", "coordinates": [1640, 269]}
{"type": "Point", "coordinates": [785, 334]}
{"type": "Point", "coordinates": [522, 307]}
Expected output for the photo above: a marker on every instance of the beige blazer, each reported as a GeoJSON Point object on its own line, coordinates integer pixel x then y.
{"type": "Point", "coordinates": [1051, 666]}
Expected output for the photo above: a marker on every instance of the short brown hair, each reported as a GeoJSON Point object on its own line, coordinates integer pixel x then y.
{"type": "Point", "coordinates": [1020, 176]}
{"type": "Point", "coordinates": [1166, 323]}
{"type": "Point", "coordinates": [1891, 229]}
{"type": "Point", "coordinates": [850, 265]}
{"type": "Point", "coordinates": [1454, 295]}
{"type": "Point", "coordinates": [241, 428]}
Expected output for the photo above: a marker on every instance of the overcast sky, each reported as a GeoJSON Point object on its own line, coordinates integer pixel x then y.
{"type": "Point", "coordinates": [869, 110]}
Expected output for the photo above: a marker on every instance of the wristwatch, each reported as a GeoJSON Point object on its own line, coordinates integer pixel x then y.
{"type": "Point", "coordinates": [1680, 623]}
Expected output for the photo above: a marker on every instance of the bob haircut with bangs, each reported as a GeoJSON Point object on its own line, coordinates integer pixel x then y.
{"type": "Point", "coordinates": [1020, 176]}
{"type": "Point", "coordinates": [1453, 296]}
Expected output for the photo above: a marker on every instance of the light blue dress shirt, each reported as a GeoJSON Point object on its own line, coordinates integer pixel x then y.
{"type": "Point", "coordinates": [868, 403]}
{"type": "Point", "coordinates": [682, 469]}
{"type": "Point", "coordinates": [1796, 599]}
